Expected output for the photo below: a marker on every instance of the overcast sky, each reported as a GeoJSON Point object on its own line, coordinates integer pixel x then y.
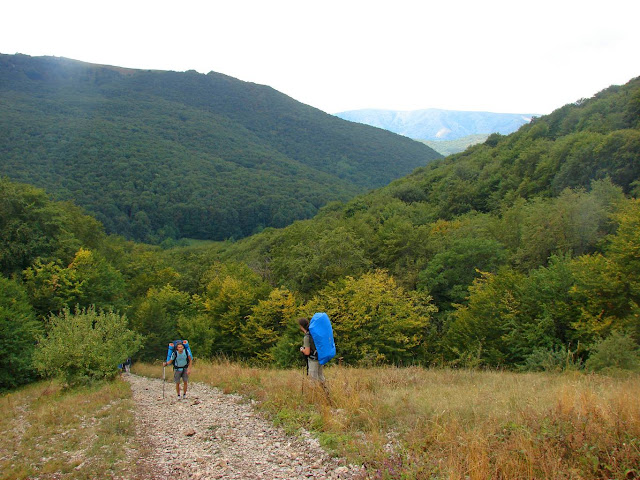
{"type": "Point", "coordinates": [501, 56]}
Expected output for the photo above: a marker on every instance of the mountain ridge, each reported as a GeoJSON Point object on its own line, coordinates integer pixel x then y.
{"type": "Point", "coordinates": [157, 154]}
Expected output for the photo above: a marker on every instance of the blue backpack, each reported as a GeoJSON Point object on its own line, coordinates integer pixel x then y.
{"type": "Point", "coordinates": [172, 348]}
{"type": "Point", "coordinates": [322, 334]}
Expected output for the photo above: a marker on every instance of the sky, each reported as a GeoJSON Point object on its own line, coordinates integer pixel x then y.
{"type": "Point", "coordinates": [504, 56]}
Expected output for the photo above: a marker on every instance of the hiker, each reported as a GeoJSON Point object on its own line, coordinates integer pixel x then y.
{"type": "Point", "coordinates": [181, 368]}
{"type": "Point", "coordinates": [308, 348]}
{"type": "Point", "coordinates": [127, 365]}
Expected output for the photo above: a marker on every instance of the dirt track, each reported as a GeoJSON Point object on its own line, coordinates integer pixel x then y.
{"type": "Point", "coordinates": [211, 435]}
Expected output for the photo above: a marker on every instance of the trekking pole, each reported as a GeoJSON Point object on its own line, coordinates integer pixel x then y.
{"type": "Point", "coordinates": [163, 382]}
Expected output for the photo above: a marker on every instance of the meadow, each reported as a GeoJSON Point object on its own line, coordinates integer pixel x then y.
{"type": "Point", "coordinates": [54, 432]}
{"type": "Point", "coordinates": [406, 423]}
{"type": "Point", "coordinates": [402, 423]}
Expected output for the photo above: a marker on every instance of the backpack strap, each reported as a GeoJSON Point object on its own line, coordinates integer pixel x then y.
{"type": "Point", "coordinates": [313, 355]}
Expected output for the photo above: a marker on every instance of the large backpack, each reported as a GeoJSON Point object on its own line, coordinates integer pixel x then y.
{"type": "Point", "coordinates": [172, 348]}
{"type": "Point", "coordinates": [322, 334]}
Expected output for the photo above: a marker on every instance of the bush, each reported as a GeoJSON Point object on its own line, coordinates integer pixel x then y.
{"type": "Point", "coordinates": [618, 351]}
{"type": "Point", "coordinates": [556, 359]}
{"type": "Point", "coordinates": [85, 346]}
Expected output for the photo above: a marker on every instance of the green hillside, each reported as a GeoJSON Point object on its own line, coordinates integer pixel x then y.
{"type": "Point", "coordinates": [521, 253]}
{"type": "Point", "coordinates": [524, 243]}
{"type": "Point", "coordinates": [596, 140]}
{"type": "Point", "coordinates": [157, 155]}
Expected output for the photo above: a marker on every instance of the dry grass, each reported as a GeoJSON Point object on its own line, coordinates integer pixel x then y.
{"type": "Point", "coordinates": [83, 433]}
{"type": "Point", "coordinates": [417, 423]}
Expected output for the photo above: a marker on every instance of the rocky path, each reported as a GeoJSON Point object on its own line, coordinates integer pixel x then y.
{"type": "Point", "coordinates": [211, 435]}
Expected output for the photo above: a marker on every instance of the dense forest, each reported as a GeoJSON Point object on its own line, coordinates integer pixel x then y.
{"type": "Point", "coordinates": [521, 252]}
{"type": "Point", "coordinates": [157, 155]}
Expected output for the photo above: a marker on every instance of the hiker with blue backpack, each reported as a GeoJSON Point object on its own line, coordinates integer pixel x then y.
{"type": "Point", "coordinates": [182, 360]}
{"type": "Point", "coordinates": [309, 350]}
{"type": "Point", "coordinates": [318, 344]}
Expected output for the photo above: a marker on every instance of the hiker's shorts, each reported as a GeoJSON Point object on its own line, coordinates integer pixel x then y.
{"type": "Point", "coordinates": [180, 374]}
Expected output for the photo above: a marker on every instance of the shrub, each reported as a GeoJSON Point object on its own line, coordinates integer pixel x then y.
{"type": "Point", "coordinates": [618, 351]}
{"type": "Point", "coordinates": [555, 359]}
{"type": "Point", "coordinates": [85, 346]}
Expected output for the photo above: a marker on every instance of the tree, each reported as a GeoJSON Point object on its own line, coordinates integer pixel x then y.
{"type": "Point", "coordinates": [476, 334]}
{"type": "Point", "coordinates": [85, 346]}
{"type": "Point", "coordinates": [232, 291]}
{"type": "Point", "coordinates": [624, 247]}
{"type": "Point", "coordinates": [307, 258]}
{"type": "Point", "coordinates": [374, 319]}
{"type": "Point", "coordinates": [88, 280]}
{"type": "Point", "coordinates": [32, 226]}
{"type": "Point", "coordinates": [509, 316]}
{"type": "Point", "coordinates": [18, 332]}
{"type": "Point", "coordinates": [572, 223]}
{"type": "Point", "coordinates": [156, 317]}
{"type": "Point", "coordinates": [267, 323]}
{"type": "Point", "coordinates": [608, 285]}
{"type": "Point", "coordinates": [99, 283]}
{"type": "Point", "coordinates": [450, 273]}
{"type": "Point", "coordinates": [197, 328]}
{"type": "Point", "coordinates": [50, 287]}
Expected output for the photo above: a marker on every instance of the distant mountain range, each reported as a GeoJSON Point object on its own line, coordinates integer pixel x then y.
{"type": "Point", "coordinates": [435, 124]}
{"type": "Point", "coordinates": [157, 154]}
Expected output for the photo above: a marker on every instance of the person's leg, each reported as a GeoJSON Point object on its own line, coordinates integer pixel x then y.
{"type": "Point", "coordinates": [314, 369]}
{"type": "Point", "coordinates": [185, 379]}
{"type": "Point", "coordinates": [176, 379]}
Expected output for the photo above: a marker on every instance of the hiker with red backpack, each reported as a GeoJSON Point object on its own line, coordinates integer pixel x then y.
{"type": "Point", "coordinates": [182, 360]}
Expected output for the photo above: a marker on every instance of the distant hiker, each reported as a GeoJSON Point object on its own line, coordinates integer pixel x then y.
{"type": "Point", "coordinates": [127, 365]}
{"type": "Point", "coordinates": [308, 348]}
{"type": "Point", "coordinates": [181, 368]}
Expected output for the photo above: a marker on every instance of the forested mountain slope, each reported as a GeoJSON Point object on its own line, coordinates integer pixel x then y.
{"type": "Point", "coordinates": [524, 243]}
{"type": "Point", "coordinates": [593, 139]}
{"type": "Point", "coordinates": [157, 154]}
{"type": "Point", "coordinates": [597, 139]}
{"type": "Point", "coordinates": [521, 252]}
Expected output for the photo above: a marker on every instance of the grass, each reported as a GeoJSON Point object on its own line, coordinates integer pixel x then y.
{"type": "Point", "coordinates": [402, 423]}
{"type": "Point", "coordinates": [81, 433]}
{"type": "Point", "coordinates": [454, 424]}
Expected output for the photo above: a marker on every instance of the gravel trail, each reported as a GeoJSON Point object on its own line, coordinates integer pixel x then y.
{"type": "Point", "coordinates": [210, 435]}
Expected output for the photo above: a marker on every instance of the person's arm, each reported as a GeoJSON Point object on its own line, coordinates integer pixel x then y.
{"type": "Point", "coordinates": [164, 364]}
{"type": "Point", "coordinates": [305, 348]}
{"type": "Point", "coordinates": [189, 366]}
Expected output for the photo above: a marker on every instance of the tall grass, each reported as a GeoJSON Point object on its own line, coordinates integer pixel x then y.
{"type": "Point", "coordinates": [80, 433]}
{"type": "Point", "coordinates": [455, 424]}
